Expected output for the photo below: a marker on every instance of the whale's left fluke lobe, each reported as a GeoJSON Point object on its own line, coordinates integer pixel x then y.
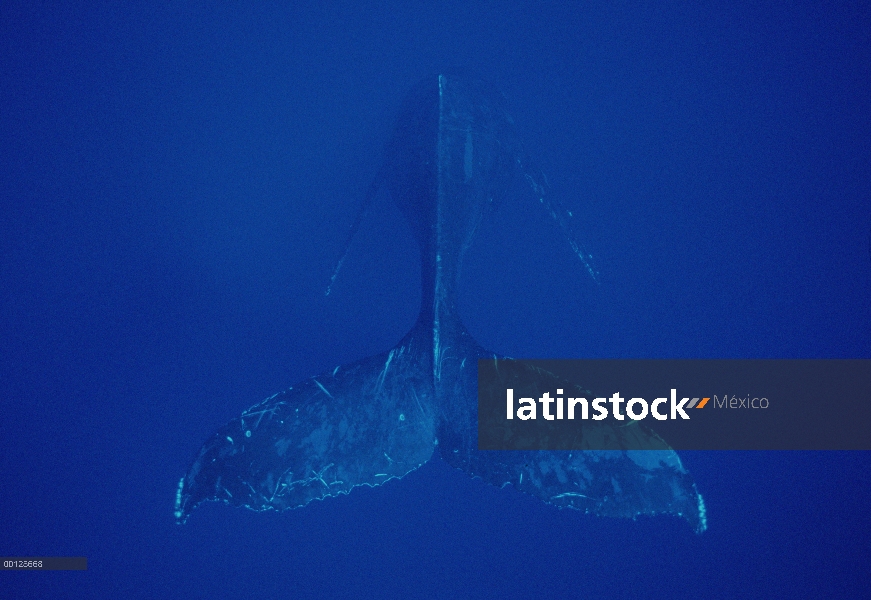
{"type": "Point", "coordinates": [360, 424]}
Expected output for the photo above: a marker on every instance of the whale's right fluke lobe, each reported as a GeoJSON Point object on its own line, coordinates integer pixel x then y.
{"type": "Point", "coordinates": [607, 483]}
{"type": "Point", "coordinates": [647, 479]}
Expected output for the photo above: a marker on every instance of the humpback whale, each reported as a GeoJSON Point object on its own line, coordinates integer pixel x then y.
{"type": "Point", "coordinates": [454, 151]}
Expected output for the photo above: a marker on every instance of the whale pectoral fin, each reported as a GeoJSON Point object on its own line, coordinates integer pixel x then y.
{"type": "Point", "coordinates": [538, 185]}
{"type": "Point", "coordinates": [649, 479]}
{"type": "Point", "coordinates": [361, 424]}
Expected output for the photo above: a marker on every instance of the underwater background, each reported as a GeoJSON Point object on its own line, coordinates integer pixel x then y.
{"type": "Point", "coordinates": [177, 181]}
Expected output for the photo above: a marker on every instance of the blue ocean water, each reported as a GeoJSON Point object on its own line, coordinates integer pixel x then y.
{"type": "Point", "coordinates": [177, 182]}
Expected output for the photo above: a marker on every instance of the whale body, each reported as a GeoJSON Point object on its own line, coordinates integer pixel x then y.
{"type": "Point", "coordinates": [454, 151]}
